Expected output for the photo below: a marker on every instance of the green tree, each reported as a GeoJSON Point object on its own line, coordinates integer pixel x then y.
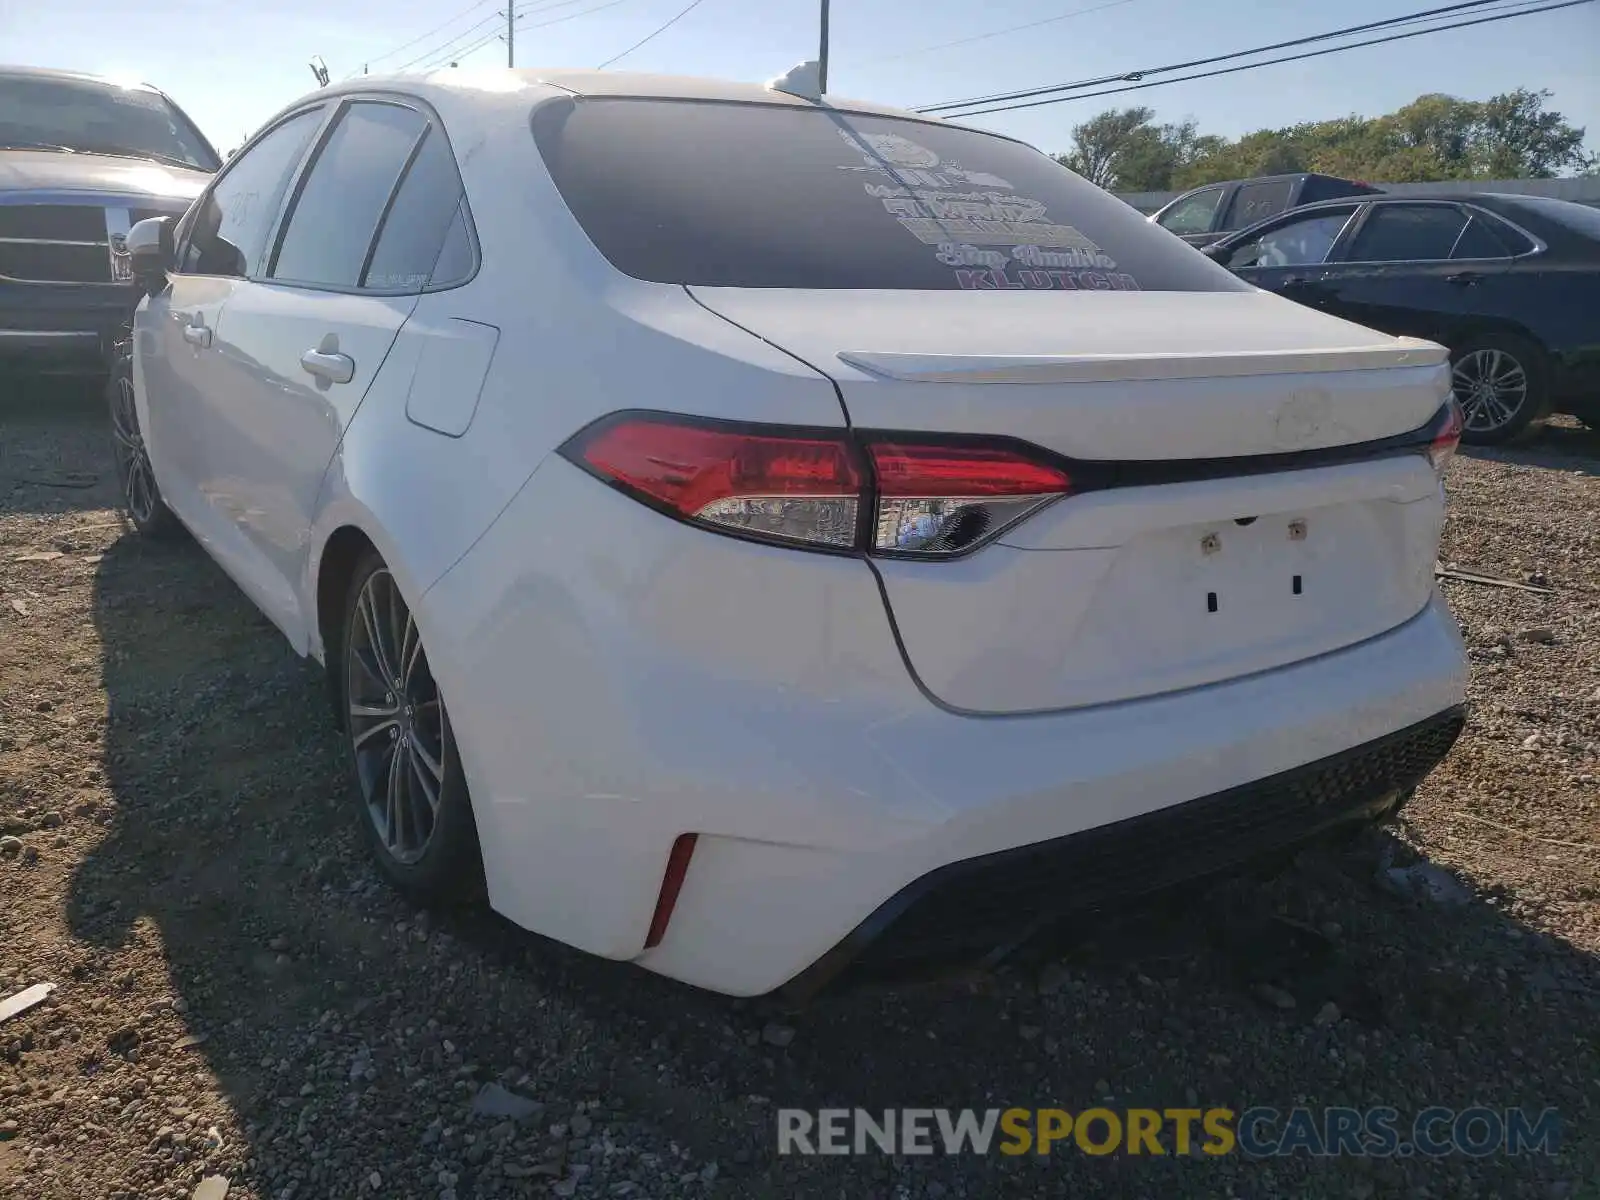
{"type": "Point", "coordinates": [1517, 139]}
{"type": "Point", "coordinates": [1434, 137]}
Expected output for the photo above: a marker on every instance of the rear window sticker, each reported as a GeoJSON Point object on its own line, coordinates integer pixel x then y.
{"type": "Point", "coordinates": [993, 240]}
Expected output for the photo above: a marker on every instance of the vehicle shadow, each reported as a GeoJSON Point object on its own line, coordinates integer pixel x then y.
{"type": "Point", "coordinates": [341, 1021]}
{"type": "Point", "coordinates": [1568, 446]}
{"type": "Point", "coordinates": [47, 427]}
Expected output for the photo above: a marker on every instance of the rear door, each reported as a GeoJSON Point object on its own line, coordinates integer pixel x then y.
{"type": "Point", "coordinates": [303, 343]}
{"type": "Point", "coordinates": [1411, 268]}
{"type": "Point", "coordinates": [1256, 201]}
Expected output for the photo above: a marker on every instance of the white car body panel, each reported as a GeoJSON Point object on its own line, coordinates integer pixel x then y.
{"type": "Point", "coordinates": [616, 678]}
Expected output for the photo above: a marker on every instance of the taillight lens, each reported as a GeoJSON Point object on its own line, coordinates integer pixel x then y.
{"type": "Point", "coordinates": [940, 500]}
{"type": "Point", "coordinates": [1447, 437]}
{"type": "Point", "coordinates": [797, 489]}
{"type": "Point", "coordinates": [812, 488]}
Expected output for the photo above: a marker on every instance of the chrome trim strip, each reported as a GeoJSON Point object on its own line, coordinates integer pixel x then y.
{"type": "Point", "coordinates": [64, 335]}
{"type": "Point", "coordinates": [16, 241]}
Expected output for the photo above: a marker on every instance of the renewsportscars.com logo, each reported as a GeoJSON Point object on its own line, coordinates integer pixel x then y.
{"type": "Point", "coordinates": [1257, 1132]}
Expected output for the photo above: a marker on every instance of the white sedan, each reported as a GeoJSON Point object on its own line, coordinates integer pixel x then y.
{"type": "Point", "coordinates": [749, 535]}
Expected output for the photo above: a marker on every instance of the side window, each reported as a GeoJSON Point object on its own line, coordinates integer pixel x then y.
{"type": "Point", "coordinates": [1254, 202]}
{"type": "Point", "coordinates": [1478, 240]}
{"type": "Point", "coordinates": [1193, 213]}
{"type": "Point", "coordinates": [1512, 240]}
{"type": "Point", "coordinates": [226, 232]}
{"type": "Point", "coordinates": [424, 237]}
{"type": "Point", "coordinates": [331, 225]}
{"type": "Point", "coordinates": [1301, 242]}
{"type": "Point", "coordinates": [1408, 233]}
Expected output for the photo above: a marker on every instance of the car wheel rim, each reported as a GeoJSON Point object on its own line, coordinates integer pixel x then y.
{"type": "Point", "coordinates": [133, 461]}
{"type": "Point", "coordinates": [1491, 387]}
{"type": "Point", "coordinates": [398, 730]}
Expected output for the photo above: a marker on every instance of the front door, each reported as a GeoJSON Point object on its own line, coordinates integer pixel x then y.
{"type": "Point", "coordinates": [1288, 256]}
{"type": "Point", "coordinates": [218, 246]}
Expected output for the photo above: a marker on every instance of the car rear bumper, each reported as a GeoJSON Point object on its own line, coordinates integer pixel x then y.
{"type": "Point", "coordinates": [981, 905]}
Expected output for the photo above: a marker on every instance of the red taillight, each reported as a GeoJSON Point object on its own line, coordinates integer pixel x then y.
{"type": "Point", "coordinates": [942, 500]}
{"type": "Point", "coordinates": [926, 499]}
{"type": "Point", "coordinates": [802, 489]}
{"type": "Point", "coordinates": [1443, 446]}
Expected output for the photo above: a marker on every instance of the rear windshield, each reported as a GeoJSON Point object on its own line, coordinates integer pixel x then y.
{"type": "Point", "coordinates": [87, 116]}
{"type": "Point", "coordinates": [774, 196]}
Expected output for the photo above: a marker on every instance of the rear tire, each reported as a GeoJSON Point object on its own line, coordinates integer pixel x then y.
{"type": "Point", "coordinates": [415, 812]}
{"type": "Point", "coordinates": [141, 497]}
{"type": "Point", "coordinates": [1501, 382]}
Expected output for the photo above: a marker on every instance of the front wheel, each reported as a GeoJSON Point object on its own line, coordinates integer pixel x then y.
{"type": "Point", "coordinates": [136, 478]}
{"type": "Point", "coordinates": [415, 810]}
{"type": "Point", "coordinates": [1499, 381]}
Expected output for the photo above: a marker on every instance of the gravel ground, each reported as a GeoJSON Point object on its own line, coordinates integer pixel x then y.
{"type": "Point", "coordinates": [238, 996]}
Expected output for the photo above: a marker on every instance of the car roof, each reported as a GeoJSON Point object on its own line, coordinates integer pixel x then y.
{"type": "Point", "coordinates": [581, 82]}
{"type": "Point", "coordinates": [72, 77]}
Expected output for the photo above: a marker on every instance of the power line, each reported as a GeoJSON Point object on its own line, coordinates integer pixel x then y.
{"type": "Point", "coordinates": [1397, 37]}
{"type": "Point", "coordinates": [666, 25]}
{"type": "Point", "coordinates": [425, 36]}
{"type": "Point", "coordinates": [1131, 76]}
{"type": "Point", "coordinates": [464, 43]}
{"type": "Point", "coordinates": [984, 37]}
{"type": "Point", "coordinates": [451, 46]}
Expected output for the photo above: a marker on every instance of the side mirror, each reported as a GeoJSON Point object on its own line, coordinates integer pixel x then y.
{"type": "Point", "coordinates": [149, 245]}
{"type": "Point", "coordinates": [1215, 252]}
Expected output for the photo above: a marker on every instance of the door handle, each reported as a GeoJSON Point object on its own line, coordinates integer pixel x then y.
{"type": "Point", "coordinates": [1464, 278]}
{"type": "Point", "coordinates": [332, 366]}
{"type": "Point", "coordinates": [197, 335]}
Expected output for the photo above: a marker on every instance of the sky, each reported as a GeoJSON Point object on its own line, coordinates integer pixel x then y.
{"type": "Point", "coordinates": [231, 68]}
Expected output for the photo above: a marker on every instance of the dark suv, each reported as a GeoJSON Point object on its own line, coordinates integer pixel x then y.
{"type": "Point", "coordinates": [81, 159]}
{"type": "Point", "coordinates": [1209, 213]}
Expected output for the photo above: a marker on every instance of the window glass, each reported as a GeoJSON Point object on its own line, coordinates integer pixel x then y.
{"type": "Point", "coordinates": [1254, 202]}
{"type": "Point", "coordinates": [1577, 218]}
{"type": "Point", "coordinates": [1298, 243]}
{"type": "Point", "coordinates": [1477, 240]}
{"type": "Point", "coordinates": [96, 117]}
{"type": "Point", "coordinates": [778, 196]}
{"type": "Point", "coordinates": [426, 209]}
{"type": "Point", "coordinates": [331, 225]}
{"type": "Point", "coordinates": [228, 229]}
{"type": "Point", "coordinates": [1192, 214]}
{"type": "Point", "coordinates": [1408, 233]}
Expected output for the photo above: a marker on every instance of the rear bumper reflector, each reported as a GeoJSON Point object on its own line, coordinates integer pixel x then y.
{"type": "Point", "coordinates": [671, 885]}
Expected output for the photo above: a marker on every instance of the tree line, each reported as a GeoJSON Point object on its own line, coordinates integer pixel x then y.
{"type": "Point", "coordinates": [1435, 137]}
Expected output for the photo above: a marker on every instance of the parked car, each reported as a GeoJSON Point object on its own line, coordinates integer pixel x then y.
{"type": "Point", "coordinates": [1511, 284]}
{"type": "Point", "coordinates": [736, 561]}
{"type": "Point", "coordinates": [1208, 214]}
{"type": "Point", "coordinates": [81, 160]}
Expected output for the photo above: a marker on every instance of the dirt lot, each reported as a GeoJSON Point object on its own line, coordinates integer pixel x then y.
{"type": "Point", "coordinates": [237, 995]}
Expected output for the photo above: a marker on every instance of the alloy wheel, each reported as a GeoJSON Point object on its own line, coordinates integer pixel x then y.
{"type": "Point", "coordinates": [1491, 386]}
{"type": "Point", "coordinates": [133, 461]}
{"type": "Point", "coordinates": [397, 724]}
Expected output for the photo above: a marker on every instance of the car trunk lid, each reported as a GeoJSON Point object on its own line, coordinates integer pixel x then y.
{"type": "Point", "coordinates": [1149, 587]}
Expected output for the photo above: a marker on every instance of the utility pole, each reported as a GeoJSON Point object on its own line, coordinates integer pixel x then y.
{"type": "Point", "coordinates": [511, 34]}
{"type": "Point", "coordinates": [822, 54]}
